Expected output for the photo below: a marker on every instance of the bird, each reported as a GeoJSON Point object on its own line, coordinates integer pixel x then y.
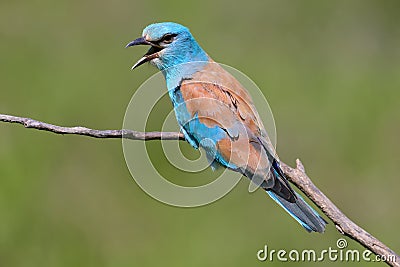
{"type": "Point", "coordinates": [216, 113]}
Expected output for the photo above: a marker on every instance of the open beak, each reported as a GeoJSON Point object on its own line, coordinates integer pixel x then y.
{"type": "Point", "coordinates": [151, 54]}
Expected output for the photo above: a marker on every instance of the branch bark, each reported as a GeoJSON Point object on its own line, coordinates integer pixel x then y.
{"type": "Point", "coordinates": [343, 224]}
{"type": "Point", "coordinates": [78, 130]}
{"type": "Point", "coordinates": [296, 175]}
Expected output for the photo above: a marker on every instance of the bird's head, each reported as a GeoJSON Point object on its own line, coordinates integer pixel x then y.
{"type": "Point", "coordinates": [170, 44]}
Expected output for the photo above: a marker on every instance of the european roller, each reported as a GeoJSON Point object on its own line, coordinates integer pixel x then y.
{"type": "Point", "coordinates": [215, 112]}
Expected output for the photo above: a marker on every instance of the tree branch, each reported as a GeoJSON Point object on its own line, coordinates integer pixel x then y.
{"type": "Point", "coordinates": [296, 175]}
{"type": "Point", "coordinates": [78, 130]}
{"type": "Point", "coordinates": [343, 224]}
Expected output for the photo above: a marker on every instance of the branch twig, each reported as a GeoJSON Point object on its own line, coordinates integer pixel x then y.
{"type": "Point", "coordinates": [78, 130]}
{"type": "Point", "coordinates": [296, 175]}
{"type": "Point", "coordinates": [343, 224]}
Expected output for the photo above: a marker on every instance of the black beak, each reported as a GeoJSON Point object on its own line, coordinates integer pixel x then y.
{"type": "Point", "coordinates": [151, 54]}
{"type": "Point", "coordinates": [138, 41]}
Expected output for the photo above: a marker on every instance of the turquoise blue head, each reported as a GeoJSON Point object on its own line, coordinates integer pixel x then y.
{"type": "Point", "coordinates": [170, 44]}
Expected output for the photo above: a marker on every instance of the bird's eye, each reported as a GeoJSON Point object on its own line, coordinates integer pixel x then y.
{"type": "Point", "coordinates": [168, 38]}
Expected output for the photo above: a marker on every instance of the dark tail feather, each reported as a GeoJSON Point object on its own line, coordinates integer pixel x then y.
{"type": "Point", "coordinates": [293, 203]}
{"type": "Point", "coordinates": [301, 212]}
{"type": "Point", "coordinates": [279, 189]}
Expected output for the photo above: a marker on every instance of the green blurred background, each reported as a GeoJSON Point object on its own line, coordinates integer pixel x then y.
{"type": "Point", "coordinates": [329, 69]}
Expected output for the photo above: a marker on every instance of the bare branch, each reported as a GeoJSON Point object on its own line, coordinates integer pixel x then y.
{"type": "Point", "coordinates": [343, 224]}
{"type": "Point", "coordinates": [78, 130]}
{"type": "Point", "coordinates": [296, 175]}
